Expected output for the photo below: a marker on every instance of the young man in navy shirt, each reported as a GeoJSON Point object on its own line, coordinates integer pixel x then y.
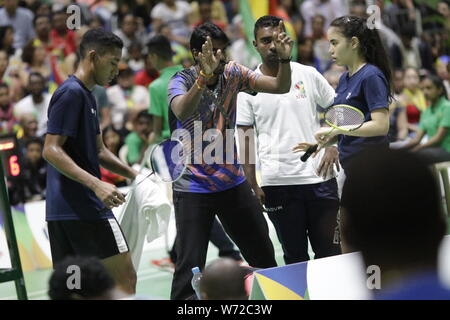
{"type": "Point", "coordinates": [78, 223]}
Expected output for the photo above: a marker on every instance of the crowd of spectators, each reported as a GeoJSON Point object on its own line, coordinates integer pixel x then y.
{"type": "Point", "coordinates": [38, 52]}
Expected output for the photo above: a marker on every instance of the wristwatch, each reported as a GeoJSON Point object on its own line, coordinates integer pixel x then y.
{"type": "Point", "coordinates": [285, 60]}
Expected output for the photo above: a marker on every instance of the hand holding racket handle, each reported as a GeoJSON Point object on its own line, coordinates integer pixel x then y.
{"type": "Point", "coordinates": [309, 152]}
{"type": "Point", "coordinates": [344, 118]}
{"type": "Point", "coordinates": [167, 161]}
{"type": "Point", "coordinates": [106, 209]}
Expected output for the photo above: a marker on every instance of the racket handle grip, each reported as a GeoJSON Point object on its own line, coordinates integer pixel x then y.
{"type": "Point", "coordinates": [309, 152]}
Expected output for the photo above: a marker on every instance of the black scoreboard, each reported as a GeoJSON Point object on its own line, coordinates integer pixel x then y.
{"type": "Point", "coordinates": [10, 153]}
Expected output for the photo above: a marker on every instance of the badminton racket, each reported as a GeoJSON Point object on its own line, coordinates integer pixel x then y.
{"type": "Point", "coordinates": [341, 117]}
{"type": "Point", "coordinates": [167, 160]}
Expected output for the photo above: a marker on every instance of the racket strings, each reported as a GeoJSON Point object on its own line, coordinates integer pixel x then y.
{"type": "Point", "coordinates": [344, 117]}
{"type": "Point", "coordinates": [168, 160]}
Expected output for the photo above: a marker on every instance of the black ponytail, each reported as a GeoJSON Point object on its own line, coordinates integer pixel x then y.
{"type": "Point", "coordinates": [371, 47]}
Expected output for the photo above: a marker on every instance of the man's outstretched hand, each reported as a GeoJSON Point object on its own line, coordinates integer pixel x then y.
{"type": "Point", "coordinates": [283, 43]}
{"type": "Point", "coordinates": [207, 59]}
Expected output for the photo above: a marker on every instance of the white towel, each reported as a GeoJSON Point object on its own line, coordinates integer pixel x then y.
{"type": "Point", "coordinates": [145, 214]}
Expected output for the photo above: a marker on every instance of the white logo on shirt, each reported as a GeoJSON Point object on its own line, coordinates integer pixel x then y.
{"type": "Point", "coordinates": [348, 95]}
{"type": "Point", "coordinates": [274, 209]}
{"type": "Point", "coordinates": [93, 111]}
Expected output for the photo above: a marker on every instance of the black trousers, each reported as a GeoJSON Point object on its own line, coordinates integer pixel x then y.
{"type": "Point", "coordinates": [299, 212]}
{"type": "Point", "coordinates": [218, 238]}
{"type": "Point", "coordinates": [242, 219]}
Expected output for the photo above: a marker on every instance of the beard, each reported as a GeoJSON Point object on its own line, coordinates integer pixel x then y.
{"type": "Point", "coordinates": [220, 68]}
{"type": "Point", "coordinates": [272, 58]}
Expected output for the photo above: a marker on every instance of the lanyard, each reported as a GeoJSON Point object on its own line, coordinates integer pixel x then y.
{"type": "Point", "coordinates": [218, 103]}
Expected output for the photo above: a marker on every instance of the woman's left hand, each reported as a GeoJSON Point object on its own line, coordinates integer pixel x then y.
{"type": "Point", "coordinates": [325, 134]}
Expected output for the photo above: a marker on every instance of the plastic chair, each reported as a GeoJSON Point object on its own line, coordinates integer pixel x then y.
{"type": "Point", "coordinates": [123, 152]}
{"type": "Point", "coordinates": [442, 174]}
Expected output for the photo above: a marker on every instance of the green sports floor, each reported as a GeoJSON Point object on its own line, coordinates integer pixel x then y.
{"type": "Point", "coordinates": [152, 281]}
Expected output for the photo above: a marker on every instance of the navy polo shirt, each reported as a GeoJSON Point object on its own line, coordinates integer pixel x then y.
{"type": "Point", "coordinates": [73, 113]}
{"type": "Point", "coordinates": [366, 90]}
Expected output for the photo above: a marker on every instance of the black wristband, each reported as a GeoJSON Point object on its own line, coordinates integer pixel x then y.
{"type": "Point", "coordinates": [285, 60]}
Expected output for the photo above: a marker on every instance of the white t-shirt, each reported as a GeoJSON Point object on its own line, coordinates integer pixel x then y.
{"type": "Point", "coordinates": [120, 103]}
{"type": "Point", "coordinates": [281, 121]}
{"type": "Point", "coordinates": [27, 105]}
{"type": "Point", "coordinates": [328, 9]}
{"type": "Point", "coordinates": [175, 18]}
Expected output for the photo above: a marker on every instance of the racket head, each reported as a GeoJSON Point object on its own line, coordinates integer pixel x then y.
{"type": "Point", "coordinates": [344, 117]}
{"type": "Point", "coordinates": [168, 160]}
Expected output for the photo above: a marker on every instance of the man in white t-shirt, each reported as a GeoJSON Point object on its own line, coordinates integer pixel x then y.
{"type": "Point", "coordinates": [300, 203]}
{"type": "Point", "coordinates": [36, 102]}
{"type": "Point", "coordinates": [129, 33]}
{"type": "Point", "coordinates": [127, 100]}
{"type": "Point", "coordinates": [175, 14]}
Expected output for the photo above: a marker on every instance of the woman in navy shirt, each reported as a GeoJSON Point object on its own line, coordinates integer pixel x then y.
{"type": "Point", "coordinates": [366, 85]}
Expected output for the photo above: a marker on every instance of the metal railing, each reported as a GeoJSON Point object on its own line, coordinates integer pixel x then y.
{"type": "Point", "coordinates": [15, 273]}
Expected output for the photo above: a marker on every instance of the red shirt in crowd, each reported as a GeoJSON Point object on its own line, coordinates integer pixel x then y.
{"type": "Point", "coordinates": [110, 177]}
{"type": "Point", "coordinates": [66, 43]}
{"type": "Point", "coordinates": [143, 78]}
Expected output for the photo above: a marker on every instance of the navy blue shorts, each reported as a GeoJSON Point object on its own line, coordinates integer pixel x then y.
{"type": "Point", "coordinates": [88, 238]}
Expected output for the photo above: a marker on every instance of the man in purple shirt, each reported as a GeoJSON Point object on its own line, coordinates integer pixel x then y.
{"type": "Point", "coordinates": [202, 113]}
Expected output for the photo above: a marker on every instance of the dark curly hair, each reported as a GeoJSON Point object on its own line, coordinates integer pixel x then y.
{"type": "Point", "coordinates": [95, 281]}
{"type": "Point", "coordinates": [28, 52]}
{"type": "Point", "coordinates": [204, 30]}
{"type": "Point", "coordinates": [3, 31]}
{"type": "Point", "coordinates": [100, 40]}
{"type": "Point", "coordinates": [266, 21]}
